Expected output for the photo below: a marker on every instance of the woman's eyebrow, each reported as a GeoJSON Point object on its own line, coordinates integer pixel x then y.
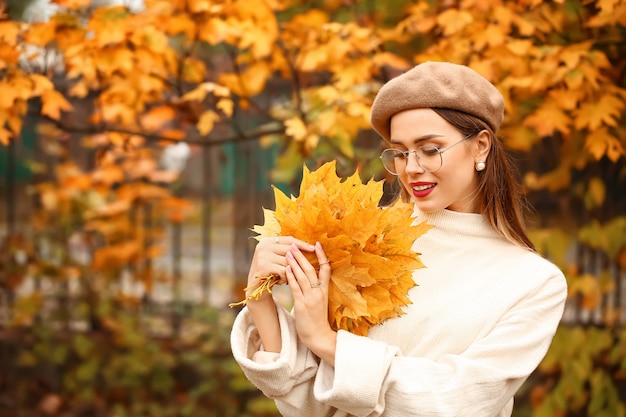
{"type": "Point", "coordinates": [416, 140]}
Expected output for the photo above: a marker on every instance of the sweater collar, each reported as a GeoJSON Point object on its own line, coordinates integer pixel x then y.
{"type": "Point", "coordinates": [457, 223]}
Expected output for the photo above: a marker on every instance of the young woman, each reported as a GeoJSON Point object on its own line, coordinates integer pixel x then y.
{"type": "Point", "coordinates": [485, 307]}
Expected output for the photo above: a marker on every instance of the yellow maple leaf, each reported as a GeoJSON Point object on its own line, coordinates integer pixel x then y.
{"type": "Point", "coordinates": [206, 122]}
{"type": "Point", "coordinates": [180, 23]}
{"type": "Point", "coordinates": [355, 71]}
{"type": "Point", "coordinates": [381, 59]}
{"type": "Point", "coordinates": [453, 21]}
{"type": "Point", "coordinates": [601, 142]}
{"type": "Point", "coordinates": [566, 99]}
{"type": "Point", "coordinates": [314, 58]}
{"type": "Point", "coordinates": [157, 117]}
{"type": "Point", "coordinates": [226, 105]}
{"type": "Point", "coordinates": [548, 118]}
{"type": "Point", "coordinates": [603, 112]}
{"type": "Point", "coordinates": [109, 25]}
{"type": "Point", "coordinates": [369, 246]}
{"type": "Point", "coordinates": [295, 128]}
{"type": "Point", "coordinates": [40, 34]}
{"type": "Point", "coordinates": [9, 32]}
{"type": "Point", "coordinates": [5, 136]}
{"type": "Point", "coordinates": [250, 82]}
{"type": "Point", "coordinates": [521, 138]}
{"type": "Point", "coordinates": [587, 287]}
{"type": "Point", "coordinates": [53, 103]}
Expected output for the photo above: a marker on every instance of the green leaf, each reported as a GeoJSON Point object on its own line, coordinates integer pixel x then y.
{"type": "Point", "coordinates": [82, 345]}
{"type": "Point", "coordinates": [86, 372]}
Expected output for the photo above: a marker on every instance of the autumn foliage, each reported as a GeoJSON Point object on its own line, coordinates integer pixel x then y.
{"type": "Point", "coordinates": [300, 77]}
{"type": "Point", "coordinates": [369, 247]}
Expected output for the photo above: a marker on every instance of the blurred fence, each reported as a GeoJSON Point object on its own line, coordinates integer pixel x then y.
{"type": "Point", "coordinates": [204, 256]}
{"type": "Point", "coordinates": [203, 266]}
{"type": "Point", "coordinates": [598, 296]}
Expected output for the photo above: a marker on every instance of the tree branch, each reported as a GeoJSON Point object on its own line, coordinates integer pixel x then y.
{"type": "Point", "coordinates": [92, 130]}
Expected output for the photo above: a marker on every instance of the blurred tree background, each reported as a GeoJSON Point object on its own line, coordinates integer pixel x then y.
{"type": "Point", "coordinates": [136, 135]}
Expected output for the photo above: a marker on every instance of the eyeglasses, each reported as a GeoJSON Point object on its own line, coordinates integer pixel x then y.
{"type": "Point", "coordinates": [429, 157]}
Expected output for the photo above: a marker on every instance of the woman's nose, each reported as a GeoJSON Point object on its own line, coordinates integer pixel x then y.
{"type": "Point", "coordinates": [412, 164]}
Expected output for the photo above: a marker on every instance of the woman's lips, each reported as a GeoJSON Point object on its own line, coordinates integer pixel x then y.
{"type": "Point", "coordinates": [422, 189]}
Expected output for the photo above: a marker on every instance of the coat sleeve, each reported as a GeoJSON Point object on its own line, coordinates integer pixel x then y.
{"type": "Point", "coordinates": [373, 379]}
{"type": "Point", "coordinates": [288, 376]}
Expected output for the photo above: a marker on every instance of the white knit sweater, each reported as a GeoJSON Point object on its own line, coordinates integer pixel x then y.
{"type": "Point", "coordinates": [483, 315]}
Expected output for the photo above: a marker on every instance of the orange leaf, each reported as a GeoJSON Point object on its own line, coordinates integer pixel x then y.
{"type": "Point", "coordinates": [206, 122]}
{"type": "Point", "coordinates": [199, 93]}
{"type": "Point", "coordinates": [548, 118]}
{"type": "Point", "coordinates": [40, 34]}
{"type": "Point", "coordinates": [250, 82]}
{"type": "Point", "coordinates": [177, 208]}
{"type": "Point", "coordinates": [587, 286]}
{"type": "Point", "coordinates": [454, 20]}
{"type": "Point", "coordinates": [600, 142]}
{"type": "Point", "coordinates": [9, 32]}
{"type": "Point", "coordinates": [193, 70]}
{"type": "Point", "coordinates": [180, 23]}
{"type": "Point", "coordinates": [54, 103]}
{"type": "Point", "coordinates": [603, 112]}
{"type": "Point", "coordinates": [8, 55]}
{"type": "Point", "coordinates": [79, 89]}
{"type": "Point", "coordinates": [157, 117]}
{"type": "Point", "coordinates": [369, 247]}
{"type": "Point", "coordinates": [112, 209]}
{"type": "Point", "coordinates": [295, 128]}
{"type": "Point", "coordinates": [108, 25]}
{"type": "Point", "coordinates": [226, 105]}
{"type": "Point", "coordinates": [5, 136]}
{"type": "Point", "coordinates": [115, 256]}
{"type": "Point", "coordinates": [566, 99]}
{"type": "Point", "coordinates": [173, 134]}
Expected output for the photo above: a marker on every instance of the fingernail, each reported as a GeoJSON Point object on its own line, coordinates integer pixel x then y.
{"type": "Point", "coordinates": [318, 245]}
{"type": "Point", "coordinates": [294, 247]}
{"type": "Point", "coordinates": [290, 255]}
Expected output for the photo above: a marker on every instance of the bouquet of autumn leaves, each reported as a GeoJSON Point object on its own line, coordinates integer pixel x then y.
{"type": "Point", "coordinates": [369, 246]}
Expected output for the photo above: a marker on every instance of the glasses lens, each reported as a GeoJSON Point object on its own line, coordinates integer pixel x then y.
{"type": "Point", "coordinates": [430, 158]}
{"type": "Point", "coordinates": [391, 158]}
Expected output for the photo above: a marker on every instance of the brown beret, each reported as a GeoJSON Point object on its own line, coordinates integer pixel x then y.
{"type": "Point", "coordinates": [438, 85]}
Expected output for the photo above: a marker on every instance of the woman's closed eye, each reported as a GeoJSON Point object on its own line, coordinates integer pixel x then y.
{"type": "Point", "coordinates": [429, 150]}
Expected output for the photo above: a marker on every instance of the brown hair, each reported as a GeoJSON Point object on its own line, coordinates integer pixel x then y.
{"type": "Point", "coordinates": [502, 200]}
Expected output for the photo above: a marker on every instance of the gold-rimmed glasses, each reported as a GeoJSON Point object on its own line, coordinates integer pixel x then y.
{"type": "Point", "coordinates": [429, 157]}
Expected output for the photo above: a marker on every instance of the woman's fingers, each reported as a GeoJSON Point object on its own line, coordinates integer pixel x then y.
{"type": "Point", "coordinates": [296, 291]}
{"type": "Point", "coordinates": [295, 268]}
{"type": "Point", "coordinates": [283, 243]}
{"type": "Point", "coordinates": [324, 263]}
{"type": "Point", "coordinates": [269, 257]}
{"type": "Point", "coordinates": [310, 294]}
{"type": "Point", "coordinates": [304, 272]}
{"type": "Point", "coordinates": [273, 254]}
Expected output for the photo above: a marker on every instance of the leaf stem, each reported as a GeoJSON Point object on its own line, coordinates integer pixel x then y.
{"type": "Point", "coordinates": [265, 284]}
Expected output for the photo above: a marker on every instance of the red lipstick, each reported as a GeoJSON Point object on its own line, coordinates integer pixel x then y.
{"type": "Point", "coordinates": [422, 189]}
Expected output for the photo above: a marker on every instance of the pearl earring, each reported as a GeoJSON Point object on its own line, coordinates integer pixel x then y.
{"type": "Point", "coordinates": [480, 166]}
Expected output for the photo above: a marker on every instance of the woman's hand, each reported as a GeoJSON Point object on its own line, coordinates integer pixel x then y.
{"type": "Point", "coordinates": [269, 259]}
{"type": "Point", "coordinates": [310, 294]}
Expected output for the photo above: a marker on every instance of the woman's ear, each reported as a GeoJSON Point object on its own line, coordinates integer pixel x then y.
{"type": "Point", "coordinates": [483, 145]}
